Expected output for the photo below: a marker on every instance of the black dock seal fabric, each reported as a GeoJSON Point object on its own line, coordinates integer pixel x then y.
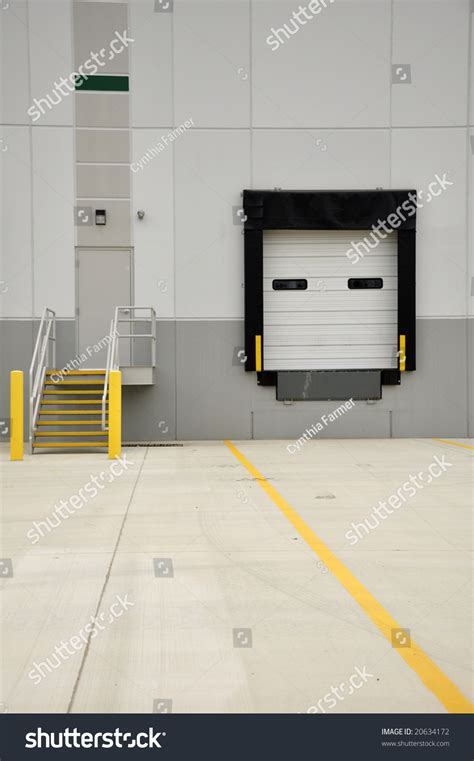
{"type": "Point", "coordinates": [323, 209]}
{"type": "Point", "coordinates": [328, 210]}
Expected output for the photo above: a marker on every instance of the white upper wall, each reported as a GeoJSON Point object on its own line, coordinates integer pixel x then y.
{"type": "Point", "coordinates": [470, 150]}
{"type": "Point", "coordinates": [37, 222]}
{"type": "Point", "coordinates": [434, 38]}
{"type": "Point", "coordinates": [50, 44]}
{"type": "Point", "coordinates": [151, 67]}
{"type": "Point", "coordinates": [153, 236]}
{"type": "Point", "coordinates": [334, 71]}
{"type": "Point", "coordinates": [16, 265]}
{"type": "Point", "coordinates": [321, 111]}
{"type": "Point", "coordinates": [211, 167]}
{"type": "Point", "coordinates": [14, 64]}
{"type": "Point", "coordinates": [212, 62]}
{"type": "Point", "coordinates": [53, 219]}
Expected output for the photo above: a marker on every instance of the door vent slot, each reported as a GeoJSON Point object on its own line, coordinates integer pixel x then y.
{"type": "Point", "coordinates": [363, 283]}
{"type": "Point", "coordinates": [290, 285]}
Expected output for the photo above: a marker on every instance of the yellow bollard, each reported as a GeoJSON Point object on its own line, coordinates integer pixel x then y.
{"type": "Point", "coordinates": [16, 415]}
{"type": "Point", "coordinates": [115, 414]}
{"type": "Point", "coordinates": [402, 355]}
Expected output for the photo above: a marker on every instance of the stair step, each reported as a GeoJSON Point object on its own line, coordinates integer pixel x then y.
{"type": "Point", "coordinates": [59, 410]}
{"type": "Point", "coordinates": [70, 422]}
{"type": "Point", "coordinates": [75, 372]}
{"type": "Point", "coordinates": [81, 444]}
{"type": "Point", "coordinates": [57, 393]}
{"type": "Point", "coordinates": [75, 394]}
{"type": "Point", "coordinates": [59, 434]}
{"type": "Point", "coordinates": [74, 383]}
{"type": "Point", "coordinates": [73, 412]}
{"type": "Point", "coordinates": [73, 401]}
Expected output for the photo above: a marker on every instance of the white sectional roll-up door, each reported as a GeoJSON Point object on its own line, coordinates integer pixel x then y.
{"type": "Point", "coordinates": [328, 326]}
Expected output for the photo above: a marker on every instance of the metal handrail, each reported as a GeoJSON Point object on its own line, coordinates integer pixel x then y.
{"type": "Point", "coordinates": [44, 356]}
{"type": "Point", "coordinates": [113, 362]}
{"type": "Point", "coordinates": [112, 359]}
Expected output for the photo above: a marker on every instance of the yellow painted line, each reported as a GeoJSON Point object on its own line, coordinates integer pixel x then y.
{"type": "Point", "coordinates": [432, 677]}
{"type": "Point", "coordinates": [258, 354]}
{"type": "Point", "coordinates": [402, 353]}
{"type": "Point", "coordinates": [454, 443]}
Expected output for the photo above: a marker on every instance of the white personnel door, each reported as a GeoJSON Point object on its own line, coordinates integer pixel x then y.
{"type": "Point", "coordinates": [103, 283]}
{"type": "Point", "coordinates": [325, 322]}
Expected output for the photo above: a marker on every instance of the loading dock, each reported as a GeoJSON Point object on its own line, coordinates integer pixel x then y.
{"type": "Point", "coordinates": [312, 304]}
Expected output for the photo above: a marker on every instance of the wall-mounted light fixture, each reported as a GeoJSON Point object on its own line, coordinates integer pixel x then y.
{"type": "Point", "coordinates": [100, 217]}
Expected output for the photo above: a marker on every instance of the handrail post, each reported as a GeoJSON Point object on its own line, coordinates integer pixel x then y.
{"type": "Point", "coordinates": [106, 377]}
{"type": "Point", "coordinates": [115, 414]}
{"type": "Point", "coordinates": [43, 356]}
{"type": "Point", "coordinates": [16, 415]}
{"type": "Point", "coordinates": [30, 417]}
{"type": "Point", "coordinates": [54, 341]}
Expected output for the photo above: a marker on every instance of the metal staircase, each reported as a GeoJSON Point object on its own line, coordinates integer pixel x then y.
{"type": "Point", "coordinates": [69, 408]}
{"type": "Point", "coordinates": [70, 411]}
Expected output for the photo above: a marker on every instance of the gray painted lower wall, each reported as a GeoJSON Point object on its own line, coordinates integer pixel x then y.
{"type": "Point", "coordinates": [202, 391]}
{"type": "Point", "coordinates": [470, 376]}
{"type": "Point", "coordinates": [17, 340]}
